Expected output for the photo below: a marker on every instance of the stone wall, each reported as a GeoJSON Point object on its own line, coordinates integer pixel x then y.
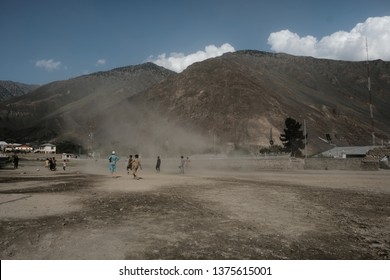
{"type": "Point", "coordinates": [341, 164]}
{"type": "Point", "coordinates": [276, 163]}
{"type": "Point", "coordinates": [248, 164]}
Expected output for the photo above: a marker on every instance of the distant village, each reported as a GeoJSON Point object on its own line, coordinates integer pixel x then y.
{"type": "Point", "coordinates": [24, 148]}
{"type": "Point", "coordinates": [353, 157]}
{"type": "Point", "coordinates": [46, 149]}
{"type": "Point", "coordinates": [9, 151]}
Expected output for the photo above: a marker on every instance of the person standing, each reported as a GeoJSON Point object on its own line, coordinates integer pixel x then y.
{"type": "Point", "coordinates": [52, 164]}
{"type": "Point", "coordinates": [187, 163]}
{"type": "Point", "coordinates": [64, 165]}
{"type": "Point", "coordinates": [182, 163]}
{"type": "Point", "coordinates": [158, 164]}
{"type": "Point", "coordinates": [135, 166]}
{"type": "Point", "coordinates": [16, 161]}
{"type": "Point", "coordinates": [129, 164]}
{"type": "Point", "coordinates": [112, 159]}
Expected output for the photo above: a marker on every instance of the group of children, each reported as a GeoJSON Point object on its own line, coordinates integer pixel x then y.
{"type": "Point", "coordinates": [51, 163]}
{"type": "Point", "coordinates": [184, 164]}
{"type": "Point", "coordinates": [134, 164]}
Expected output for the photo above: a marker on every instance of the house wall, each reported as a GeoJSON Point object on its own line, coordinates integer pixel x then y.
{"type": "Point", "coordinates": [23, 149]}
{"type": "Point", "coordinates": [243, 164]}
{"type": "Point", "coordinates": [251, 164]}
{"type": "Point", "coordinates": [277, 163]}
{"type": "Point", "coordinates": [341, 164]}
{"type": "Point", "coordinates": [47, 150]}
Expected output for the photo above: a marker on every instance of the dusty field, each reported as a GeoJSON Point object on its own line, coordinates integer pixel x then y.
{"type": "Point", "coordinates": [83, 213]}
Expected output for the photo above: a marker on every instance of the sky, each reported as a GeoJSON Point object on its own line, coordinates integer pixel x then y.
{"type": "Point", "coordinates": [48, 40]}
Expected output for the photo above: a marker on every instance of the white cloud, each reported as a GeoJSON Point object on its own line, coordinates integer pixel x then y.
{"type": "Point", "coordinates": [341, 45]}
{"type": "Point", "coordinates": [101, 62]}
{"type": "Point", "coordinates": [178, 61]}
{"type": "Point", "coordinates": [48, 64]}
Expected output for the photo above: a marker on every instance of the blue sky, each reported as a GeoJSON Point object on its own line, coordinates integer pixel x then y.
{"type": "Point", "coordinates": [44, 41]}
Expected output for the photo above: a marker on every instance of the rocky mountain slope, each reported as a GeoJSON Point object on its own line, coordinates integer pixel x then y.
{"type": "Point", "coordinates": [9, 89]}
{"type": "Point", "coordinates": [240, 96]}
{"type": "Point", "coordinates": [63, 109]}
{"type": "Point", "coordinates": [233, 100]}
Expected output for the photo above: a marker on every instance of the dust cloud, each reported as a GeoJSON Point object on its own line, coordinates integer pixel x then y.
{"type": "Point", "coordinates": [129, 128]}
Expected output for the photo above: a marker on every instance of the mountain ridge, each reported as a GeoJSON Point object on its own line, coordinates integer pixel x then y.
{"type": "Point", "coordinates": [225, 96]}
{"type": "Point", "coordinates": [11, 89]}
{"type": "Point", "coordinates": [73, 101]}
{"type": "Point", "coordinates": [235, 98]}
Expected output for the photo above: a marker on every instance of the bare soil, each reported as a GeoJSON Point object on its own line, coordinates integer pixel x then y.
{"type": "Point", "coordinates": [83, 213]}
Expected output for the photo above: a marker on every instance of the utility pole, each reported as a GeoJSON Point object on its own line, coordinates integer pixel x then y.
{"type": "Point", "coordinates": [271, 140]}
{"type": "Point", "coordinates": [370, 98]}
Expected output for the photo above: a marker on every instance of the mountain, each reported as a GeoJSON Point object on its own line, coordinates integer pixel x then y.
{"type": "Point", "coordinates": [239, 97]}
{"type": "Point", "coordinates": [234, 100]}
{"type": "Point", "coordinates": [63, 109]}
{"type": "Point", "coordinates": [9, 89]}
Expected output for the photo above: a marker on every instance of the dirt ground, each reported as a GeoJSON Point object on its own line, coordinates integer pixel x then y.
{"type": "Point", "coordinates": [84, 213]}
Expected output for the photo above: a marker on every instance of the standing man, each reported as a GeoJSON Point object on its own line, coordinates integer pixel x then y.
{"type": "Point", "coordinates": [158, 164]}
{"type": "Point", "coordinates": [181, 166]}
{"type": "Point", "coordinates": [16, 161]}
{"type": "Point", "coordinates": [129, 164]}
{"type": "Point", "coordinates": [112, 159]}
{"type": "Point", "coordinates": [187, 163]}
{"type": "Point", "coordinates": [136, 164]}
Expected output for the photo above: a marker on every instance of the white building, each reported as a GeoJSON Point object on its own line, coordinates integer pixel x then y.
{"type": "Point", "coordinates": [11, 147]}
{"type": "Point", "coordinates": [24, 149]}
{"type": "Point", "coordinates": [47, 148]}
{"type": "Point", "coordinates": [3, 145]}
{"type": "Point", "coordinates": [66, 156]}
{"type": "Point", "coordinates": [348, 151]}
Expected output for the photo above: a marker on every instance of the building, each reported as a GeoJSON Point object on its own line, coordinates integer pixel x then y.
{"type": "Point", "coordinates": [23, 149]}
{"type": "Point", "coordinates": [47, 148]}
{"type": "Point", "coordinates": [348, 152]}
{"type": "Point", "coordinates": [66, 156]}
{"type": "Point", "coordinates": [11, 147]}
{"type": "Point", "coordinates": [3, 145]}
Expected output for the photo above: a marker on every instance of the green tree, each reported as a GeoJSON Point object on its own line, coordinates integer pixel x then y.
{"type": "Point", "coordinates": [293, 137]}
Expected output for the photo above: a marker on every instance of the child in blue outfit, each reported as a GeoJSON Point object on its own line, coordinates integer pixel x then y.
{"type": "Point", "coordinates": [113, 158]}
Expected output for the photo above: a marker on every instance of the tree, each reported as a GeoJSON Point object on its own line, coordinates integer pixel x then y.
{"type": "Point", "coordinates": [293, 138]}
